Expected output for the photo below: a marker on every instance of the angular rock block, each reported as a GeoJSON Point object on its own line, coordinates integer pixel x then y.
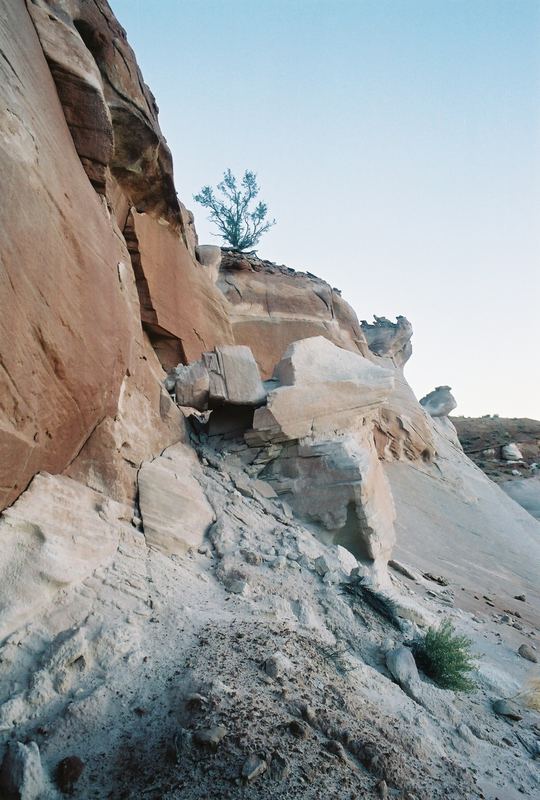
{"type": "Point", "coordinates": [175, 512]}
{"type": "Point", "coordinates": [340, 486]}
{"type": "Point", "coordinates": [323, 389]}
{"type": "Point", "coordinates": [234, 377]}
{"type": "Point", "coordinates": [328, 470]}
{"type": "Point", "coordinates": [227, 376]}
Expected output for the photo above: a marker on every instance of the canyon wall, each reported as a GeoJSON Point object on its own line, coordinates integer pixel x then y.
{"type": "Point", "coordinates": [105, 288]}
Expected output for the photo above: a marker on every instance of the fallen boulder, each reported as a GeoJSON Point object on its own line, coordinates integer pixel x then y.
{"type": "Point", "coordinates": [226, 376]}
{"type": "Point", "coordinates": [175, 512]}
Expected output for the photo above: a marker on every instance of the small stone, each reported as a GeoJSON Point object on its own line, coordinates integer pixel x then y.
{"type": "Point", "coordinates": [195, 701]}
{"type": "Point", "coordinates": [182, 742]}
{"type": "Point", "coordinates": [382, 789]}
{"type": "Point", "coordinates": [203, 549]}
{"type": "Point", "coordinates": [279, 766]}
{"type": "Point", "coordinates": [278, 665]}
{"type": "Point", "coordinates": [253, 768]}
{"type": "Point", "coordinates": [525, 651]}
{"type": "Point", "coordinates": [250, 557]}
{"type": "Point", "coordinates": [436, 579]}
{"type": "Point", "coordinates": [520, 597]}
{"type": "Point", "coordinates": [505, 708]}
{"type": "Point", "coordinates": [402, 666]}
{"type": "Point", "coordinates": [308, 713]}
{"type": "Point", "coordinates": [321, 566]}
{"type": "Point", "coordinates": [67, 773]}
{"type": "Point", "coordinates": [210, 737]}
{"type": "Point", "coordinates": [21, 773]}
{"type": "Point", "coordinates": [336, 748]}
{"type": "Point", "coordinates": [299, 729]}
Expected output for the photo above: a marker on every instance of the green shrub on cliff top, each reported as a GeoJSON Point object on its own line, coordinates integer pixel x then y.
{"type": "Point", "coordinates": [239, 225]}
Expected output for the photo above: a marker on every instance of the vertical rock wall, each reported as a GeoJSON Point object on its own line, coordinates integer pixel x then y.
{"type": "Point", "coordinates": [83, 161]}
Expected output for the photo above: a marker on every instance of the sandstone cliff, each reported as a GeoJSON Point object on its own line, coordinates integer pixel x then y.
{"type": "Point", "coordinates": [206, 466]}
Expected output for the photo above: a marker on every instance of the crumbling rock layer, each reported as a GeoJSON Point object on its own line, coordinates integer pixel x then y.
{"type": "Point", "coordinates": [273, 306]}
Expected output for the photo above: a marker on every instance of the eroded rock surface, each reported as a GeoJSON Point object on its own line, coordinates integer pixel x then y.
{"type": "Point", "coordinates": [175, 512]}
{"type": "Point", "coordinates": [56, 534]}
{"type": "Point", "coordinates": [391, 339]}
{"type": "Point", "coordinates": [273, 306]}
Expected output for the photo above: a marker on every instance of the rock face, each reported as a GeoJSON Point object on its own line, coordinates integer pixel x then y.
{"type": "Point", "coordinates": [114, 251]}
{"type": "Point", "coordinates": [65, 327]}
{"type": "Point", "coordinates": [273, 306]}
{"type": "Point", "coordinates": [181, 309]}
{"type": "Point", "coordinates": [439, 402]}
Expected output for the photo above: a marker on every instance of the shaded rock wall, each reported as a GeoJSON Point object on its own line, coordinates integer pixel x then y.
{"type": "Point", "coordinates": [64, 330]}
{"type": "Point", "coordinates": [94, 242]}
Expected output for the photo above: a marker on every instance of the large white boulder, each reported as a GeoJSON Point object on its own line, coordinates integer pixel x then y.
{"type": "Point", "coordinates": [175, 512]}
{"type": "Point", "coordinates": [323, 389]}
{"type": "Point", "coordinates": [511, 452]}
{"type": "Point", "coordinates": [329, 472]}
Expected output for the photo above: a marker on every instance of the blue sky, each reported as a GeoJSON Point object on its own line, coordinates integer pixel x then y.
{"type": "Point", "coordinates": [397, 142]}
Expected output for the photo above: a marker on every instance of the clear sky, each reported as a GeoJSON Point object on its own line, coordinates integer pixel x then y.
{"type": "Point", "coordinates": [397, 142]}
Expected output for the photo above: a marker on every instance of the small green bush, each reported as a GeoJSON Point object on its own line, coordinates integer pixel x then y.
{"type": "Point", "coordinates": [446, 657]}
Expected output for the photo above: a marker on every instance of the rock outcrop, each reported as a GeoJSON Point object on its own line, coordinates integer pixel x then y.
{"type": "Point", "coordinates": [322, 415]}
{"type": "Point", "coordinates": [272, 306]}
{"type": "Point", "coordinates": [440, 402]}
{"type": "Point", "coordinates": [389, 339]}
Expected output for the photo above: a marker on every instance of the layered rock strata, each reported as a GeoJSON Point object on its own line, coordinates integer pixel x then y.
{"type": "Point", "coordinates": [272, 306]}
